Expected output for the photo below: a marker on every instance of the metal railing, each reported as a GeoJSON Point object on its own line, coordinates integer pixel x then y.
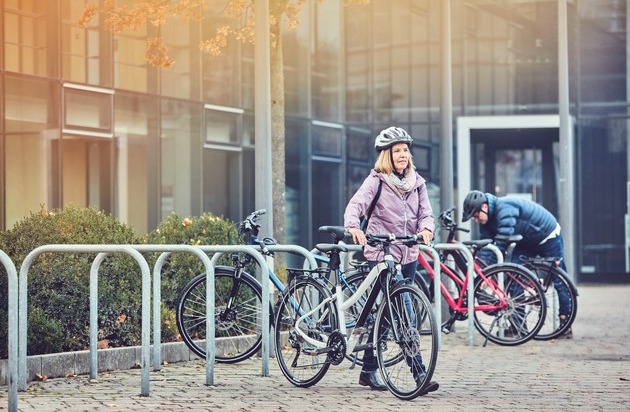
{"type": "Point", "coordinates": [102, 251]}
{"type": "Point", "coordinates": [12, 334]}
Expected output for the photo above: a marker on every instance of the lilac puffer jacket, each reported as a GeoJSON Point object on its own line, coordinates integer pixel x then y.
{"type": "Point", "coordinates": [393, 214]}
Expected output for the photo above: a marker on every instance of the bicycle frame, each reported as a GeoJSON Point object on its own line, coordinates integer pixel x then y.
{"type": "Point", "coordinates": [342, 305]}
{"type": "Point", "coordinates": [458, 306]}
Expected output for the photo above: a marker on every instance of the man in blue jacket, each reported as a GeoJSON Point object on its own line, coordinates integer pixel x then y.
{"type": "Point", "coordinates": [511, 215]}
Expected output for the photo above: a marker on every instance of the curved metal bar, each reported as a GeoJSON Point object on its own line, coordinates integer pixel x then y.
{"type": "Point", "coordinates": [496, 251]}
{"type": "Point", "coordinates": [13, 329]}
{"type": "Point", "coordinates": [23, 304]}
{"type": "Point", "coordinates": [96, 263]}
{"type": "Point", "coordinates": [308, 256]}
{"type": "Point", "coordinates": [437, 293]}
{"type": "Point", "coordinates": [167, 251]}
{"type": "Point", "coordinates": [470, 287]}
{"type": "Point", "coordinates": [218, 251]}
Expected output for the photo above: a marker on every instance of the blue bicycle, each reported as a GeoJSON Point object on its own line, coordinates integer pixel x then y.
{"type": "Point", "coordinates": [238, 300]}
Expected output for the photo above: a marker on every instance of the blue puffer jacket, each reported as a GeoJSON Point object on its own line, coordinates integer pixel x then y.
{"type": "Point", "coordinates": [393, 214]}
{"type": "Point", "coordinates": [517, 216]}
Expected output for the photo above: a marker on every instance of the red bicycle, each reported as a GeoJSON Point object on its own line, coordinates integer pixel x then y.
{"type": "Point", "coordinates": [509, 302]}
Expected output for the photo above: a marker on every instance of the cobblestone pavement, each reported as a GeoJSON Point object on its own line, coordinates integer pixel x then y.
{"type": "Point", "coordinates": [591, 372]}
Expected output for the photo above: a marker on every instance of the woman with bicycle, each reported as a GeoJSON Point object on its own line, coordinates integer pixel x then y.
{"type": "Point", "coordinates": [510, 215]}
{"type": "Point", "coordinates": [394, 199]}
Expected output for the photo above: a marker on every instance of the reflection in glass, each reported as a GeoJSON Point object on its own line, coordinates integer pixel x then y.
{"type": "Point", "coordinates": [180, 159]}
{"type": "Point", "coordinates": [32, 133]}
{"type": "Point", "coordinates": [29, 41]}
{"type": "Point", "coordinates": [221, 188]}
{"type": "Point", "coordinates": [89, 110]}
{"type": "Point", "coordinates": [136, 125]}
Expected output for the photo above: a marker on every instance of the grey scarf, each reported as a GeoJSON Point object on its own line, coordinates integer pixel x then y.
{"type": "Point", "coordinates": [403, 185]}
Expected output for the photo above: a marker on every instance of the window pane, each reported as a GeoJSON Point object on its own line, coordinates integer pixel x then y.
{"type": "Point", "coordinates": [88, 110]}
{"type": "Point", "coordinates": [131, 70]}
{"type": "Point", "coordinates": [184, 51]}
{"type": "Point", "coordinates": [136, 123]}
{"type": "Point", "coordinates": [84, 51]}
{"type": "Point", "coordinates": [222, 126]}
{"type": "Point", "coordinates": [221, 75]}
{"type": "Point", "coordinates": [30, 37]}
{"type": "Point", "coordinates": [327, 186]}
{"type": "Point", "coordinates": [221, 187]}
{"type": "Point", "coordinates": [327, 141]}
{"type": "Point", "coordinates": [31, 139]}
{"type": "Point", "coordinates": [180, 142]}
{"type": "Point", "coordinates": [326, 57]}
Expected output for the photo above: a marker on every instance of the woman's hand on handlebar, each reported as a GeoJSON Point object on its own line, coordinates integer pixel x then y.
{"type": "Point", "coordinates": [358, 236]}
{"type": "Point", "coordinates": [425, 236]}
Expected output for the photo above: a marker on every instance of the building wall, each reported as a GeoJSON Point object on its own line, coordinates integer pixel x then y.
{"type": "Point", "coordinates": [85, 120]}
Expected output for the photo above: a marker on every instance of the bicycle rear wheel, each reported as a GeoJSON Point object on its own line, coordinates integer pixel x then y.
{"type": "Point", "coordinates": [299, 310]}
{"type": "Point", "coordinates": [558, 282]}
{"type": "Point", "coordinates": [238, 331]}
{"type": "Point", "coordinates": [524, 314]}
{"type": "Point", "coordinates": [409, 335]}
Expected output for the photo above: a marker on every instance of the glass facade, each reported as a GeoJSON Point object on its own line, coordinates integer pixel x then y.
{"type": "Point", "coordinates": [84, 118]}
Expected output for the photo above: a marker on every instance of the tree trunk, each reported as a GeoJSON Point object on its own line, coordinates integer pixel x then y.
{"type": "Point", "coordinates": [277, 125]}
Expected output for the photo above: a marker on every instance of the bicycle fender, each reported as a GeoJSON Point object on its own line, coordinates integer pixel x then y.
{"type": "Point", "coordinates": [514, 265]}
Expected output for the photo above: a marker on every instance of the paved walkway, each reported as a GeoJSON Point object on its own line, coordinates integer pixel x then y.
{"type": "Point", "coordinates": [588, 373]}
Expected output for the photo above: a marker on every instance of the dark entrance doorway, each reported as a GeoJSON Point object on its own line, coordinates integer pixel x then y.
{"type": "Point", "coordinates": [521, 162]}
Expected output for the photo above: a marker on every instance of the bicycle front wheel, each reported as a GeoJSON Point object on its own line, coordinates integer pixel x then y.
{"type": "Point", "coordinates": [238, 329]}
{"type": "Point", "coordinates": [408, 333]}
{"type": "Point", "coordinates": [560, 313]}
{"type": "Point", "coordinates": [305, 323]}
{"type": "Point", "coordinates": [510, 304]}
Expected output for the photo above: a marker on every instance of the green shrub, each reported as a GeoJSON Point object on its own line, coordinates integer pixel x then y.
{"type": "Point", "coordinates": [180, 268]}
{"type": "Point", "coordinates": [58, 283]}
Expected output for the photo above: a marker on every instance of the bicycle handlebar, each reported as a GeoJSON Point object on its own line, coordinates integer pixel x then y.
{"type": "Point", "coordinates": [250, 223]}
{"type": "Point", "coordinates": [448, 222]}
{"type": "Point", "coordinates": [408, 240]}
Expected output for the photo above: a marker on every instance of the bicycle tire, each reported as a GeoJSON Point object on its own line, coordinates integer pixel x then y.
{"type": "Point", "coordinates": [349, 286]}
{"type": "Point", "coordinates": [238, 333]}
{"type": "Point", "coordinates": [411, 313]}
{"type": "Point", "coordinates": [553, 326]}
{"type": "Point", "coordinates": [297, 358]}
{"type": "Point", "coordinates": [524, 315]}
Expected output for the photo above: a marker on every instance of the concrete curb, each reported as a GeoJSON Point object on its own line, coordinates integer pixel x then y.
{"type": "Point", "coordinates": [55, 365]}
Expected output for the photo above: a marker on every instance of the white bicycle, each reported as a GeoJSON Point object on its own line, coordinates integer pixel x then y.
{"type": "Point", "coordinates": [312, 330]}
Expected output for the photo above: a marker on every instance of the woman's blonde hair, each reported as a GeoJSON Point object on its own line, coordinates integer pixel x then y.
{"type": "Point", "coordinates": [384, 164]}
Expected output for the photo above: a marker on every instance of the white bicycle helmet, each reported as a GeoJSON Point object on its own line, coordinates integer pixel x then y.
{"type": "Point", "coordinates": [390, 136]}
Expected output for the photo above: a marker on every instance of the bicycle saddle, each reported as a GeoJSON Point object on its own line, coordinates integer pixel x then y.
{"type": "Point", "coordinates": [338, 232]}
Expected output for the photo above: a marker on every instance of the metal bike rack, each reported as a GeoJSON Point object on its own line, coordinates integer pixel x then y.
{"type": "Point", "coordinates": [103, 251]}
{"type": "Point", "coordinates": [218, 251]}
{"type": "Point", "coordinates": [12, 330]}
{"type": "Point", "coordinates": [437, 293]}
{"type": "Point", "coordinates": [167, 251]}
{"type": "Point", "coordinates": [496, 251]}
{"type": "Point", "coordinates": [470, 286]}
{"type": "Point", "coordinates": [299, 250]}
